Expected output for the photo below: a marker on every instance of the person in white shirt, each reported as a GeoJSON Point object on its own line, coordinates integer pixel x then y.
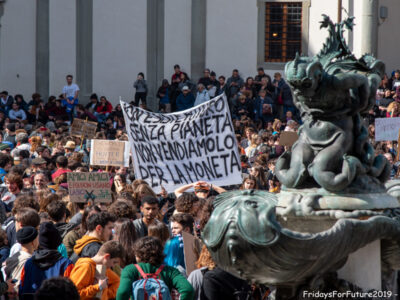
{"type": "Point", "coordinates": [70, 93]}
{"type": "Point", "coordinates": [202, 95]}
{"type": "Point", "coordinates": [16, 113]}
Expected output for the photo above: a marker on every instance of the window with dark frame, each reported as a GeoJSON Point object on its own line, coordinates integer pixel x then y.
{"type": "Point", "coordinates": [282, 30]}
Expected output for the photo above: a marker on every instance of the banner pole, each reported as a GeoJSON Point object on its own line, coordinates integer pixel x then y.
{"type": "Point", "coordinates": [398, 147]}
{"type": "Point", "coordinates": [81, 142]}
{"type": "Point", "coordinates": [82, 136]}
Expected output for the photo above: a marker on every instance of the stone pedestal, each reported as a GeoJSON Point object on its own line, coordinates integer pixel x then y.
{"type": "Point", "coordinates": [363, 267]}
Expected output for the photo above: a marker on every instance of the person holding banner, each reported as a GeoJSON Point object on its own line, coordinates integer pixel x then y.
{"type": "Point", "coordinates": [202, 95]}
{"type": "Point", "coordinates": [185, 100]}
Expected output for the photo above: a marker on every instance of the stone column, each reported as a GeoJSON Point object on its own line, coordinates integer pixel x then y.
{"type": "Point", "coordinates": [369, 27]}
{"type": "Point", "coordinates": [84, 49]}
{"type": "Point", "coordinates": [155, 50]}
{"type": "Point", "coordinates": [1, 14]}
{"type": "Point", "coordinates": [42, 48]}
{"type": "Point", "coordinates": [198, 39]}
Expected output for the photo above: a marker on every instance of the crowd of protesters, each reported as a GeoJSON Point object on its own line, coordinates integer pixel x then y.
{"type": "Point", "coordinates": [50, 246]}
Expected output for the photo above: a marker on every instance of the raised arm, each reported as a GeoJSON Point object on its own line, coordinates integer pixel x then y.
{"type": "Point", "coordinates": [218, 189]}
{"type": "Point", "coordinates": [179, 191]}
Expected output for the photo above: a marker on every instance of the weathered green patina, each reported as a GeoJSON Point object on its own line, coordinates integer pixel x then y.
{"type": "Point", "coordinates": [334, 200]}
{"type": "Point", "coordinates": [332, 90]}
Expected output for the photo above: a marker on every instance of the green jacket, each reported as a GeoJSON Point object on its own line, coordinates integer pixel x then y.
{"type": "Point", "coordinates": [171, 276]}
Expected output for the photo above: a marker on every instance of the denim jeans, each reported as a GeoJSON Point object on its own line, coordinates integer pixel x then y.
{"type": "Point", "coordinates": [101, 118]}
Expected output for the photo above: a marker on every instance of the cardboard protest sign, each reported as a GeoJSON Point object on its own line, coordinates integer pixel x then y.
{"type": "Point", "coordinates": [288, 138]}
{"type": "Point", "coordinates": [83, 128]}
{"type": "Point", "coordinates": [191, 250]}
{"type": "Point", "coordinates": [172, 150]}
{"type": "Point", "coordinates": [87, 186]}
{"type": "Point", "coordinates": [109, 153]}
{"type": "Point", "coordinates": [387, 129]}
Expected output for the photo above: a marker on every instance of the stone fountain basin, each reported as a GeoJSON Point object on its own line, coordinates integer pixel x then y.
{"type": "Point", "coordinates": [259, 237]}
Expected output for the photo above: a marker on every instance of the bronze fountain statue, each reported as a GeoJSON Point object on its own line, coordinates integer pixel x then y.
{"type": "Point", "coordinates": [333, 200]}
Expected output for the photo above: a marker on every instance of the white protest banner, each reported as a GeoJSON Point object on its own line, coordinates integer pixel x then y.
{"type": "Point", "coordinates": [171, 150]}
{"type": "Point", "coordinates": [109, 153]}
{"type": "Point", "coordinates": [387, 129]}
{"type": "Point", "coordinates": [89, 186]}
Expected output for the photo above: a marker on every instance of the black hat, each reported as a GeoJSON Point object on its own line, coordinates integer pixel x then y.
{"type": "Point", "coordinates": [26, 234]}
{"type": "Point", "coordinates": [49, 237]}
{"type": "Point", "coordinates": [11, 127]}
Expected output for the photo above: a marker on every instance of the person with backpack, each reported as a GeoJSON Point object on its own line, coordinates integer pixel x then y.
{"type": "Point", "coordinates": [150, 277]}
{"type": "Point", "coordinates": [45, 263]}
{"type": "Point", "coordinates": [99, 228]}
{"type": "Point", "coordinates": [91, 284]}
{"type": "Point", "coordinates": [28, 238]}
{"type": "Point", "coordinates": [58, 213]}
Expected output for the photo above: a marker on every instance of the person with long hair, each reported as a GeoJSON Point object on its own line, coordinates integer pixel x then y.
{"type": "Point", "coordinates": [276, 126]}
{"type": "Point", "coordinates": [103, 109]}
{"type": "Point", "coordinates": [125, 234]}
{"type": "Point", "coordinates": [250, 87]}
{"type": "Point", "coordinates": [393, 110]}
{"type": "Point", "coordinates": [119, 183]}
{"type": "Point", "coordinates": [251, 150]}
{"type": "Point", "coordinates": [204, 263]}
{"type": "Point", "coordinates": [160, 231]}
{"type": "Point", "coordinates": [258, 173]}
{"type": "Point", "coordinates": [371, 134]}
{"type": "Point", "coordinates": [249, 183]}
{"type": "Point", "coordinates": [274, 185]}
{"type": "Point", "coordinates": [137, 182]}
{"type": "Point", "coordinates": [141, 191]}
{"type": "Point", "coordinates": [35, 142]}
{"type": "Point", "coordinates": [174, 256]}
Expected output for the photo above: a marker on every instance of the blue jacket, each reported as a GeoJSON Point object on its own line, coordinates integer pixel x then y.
{"type": "Point", "coordinates": [42, 265]}
{"type": "Point", "coordinates": [69, 107]}
{"type": "Point", "coordinates": [284, 89]}
{"type": "Point", "coordinates": [201, 97]}
{"type": "Point", "coordinates": [183, 102]}
{"type": "Point", "coordinates": [258, 109]}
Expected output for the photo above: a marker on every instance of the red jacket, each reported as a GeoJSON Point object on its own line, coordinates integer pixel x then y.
{"type": "Point", "coordinates": [105, 109]}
